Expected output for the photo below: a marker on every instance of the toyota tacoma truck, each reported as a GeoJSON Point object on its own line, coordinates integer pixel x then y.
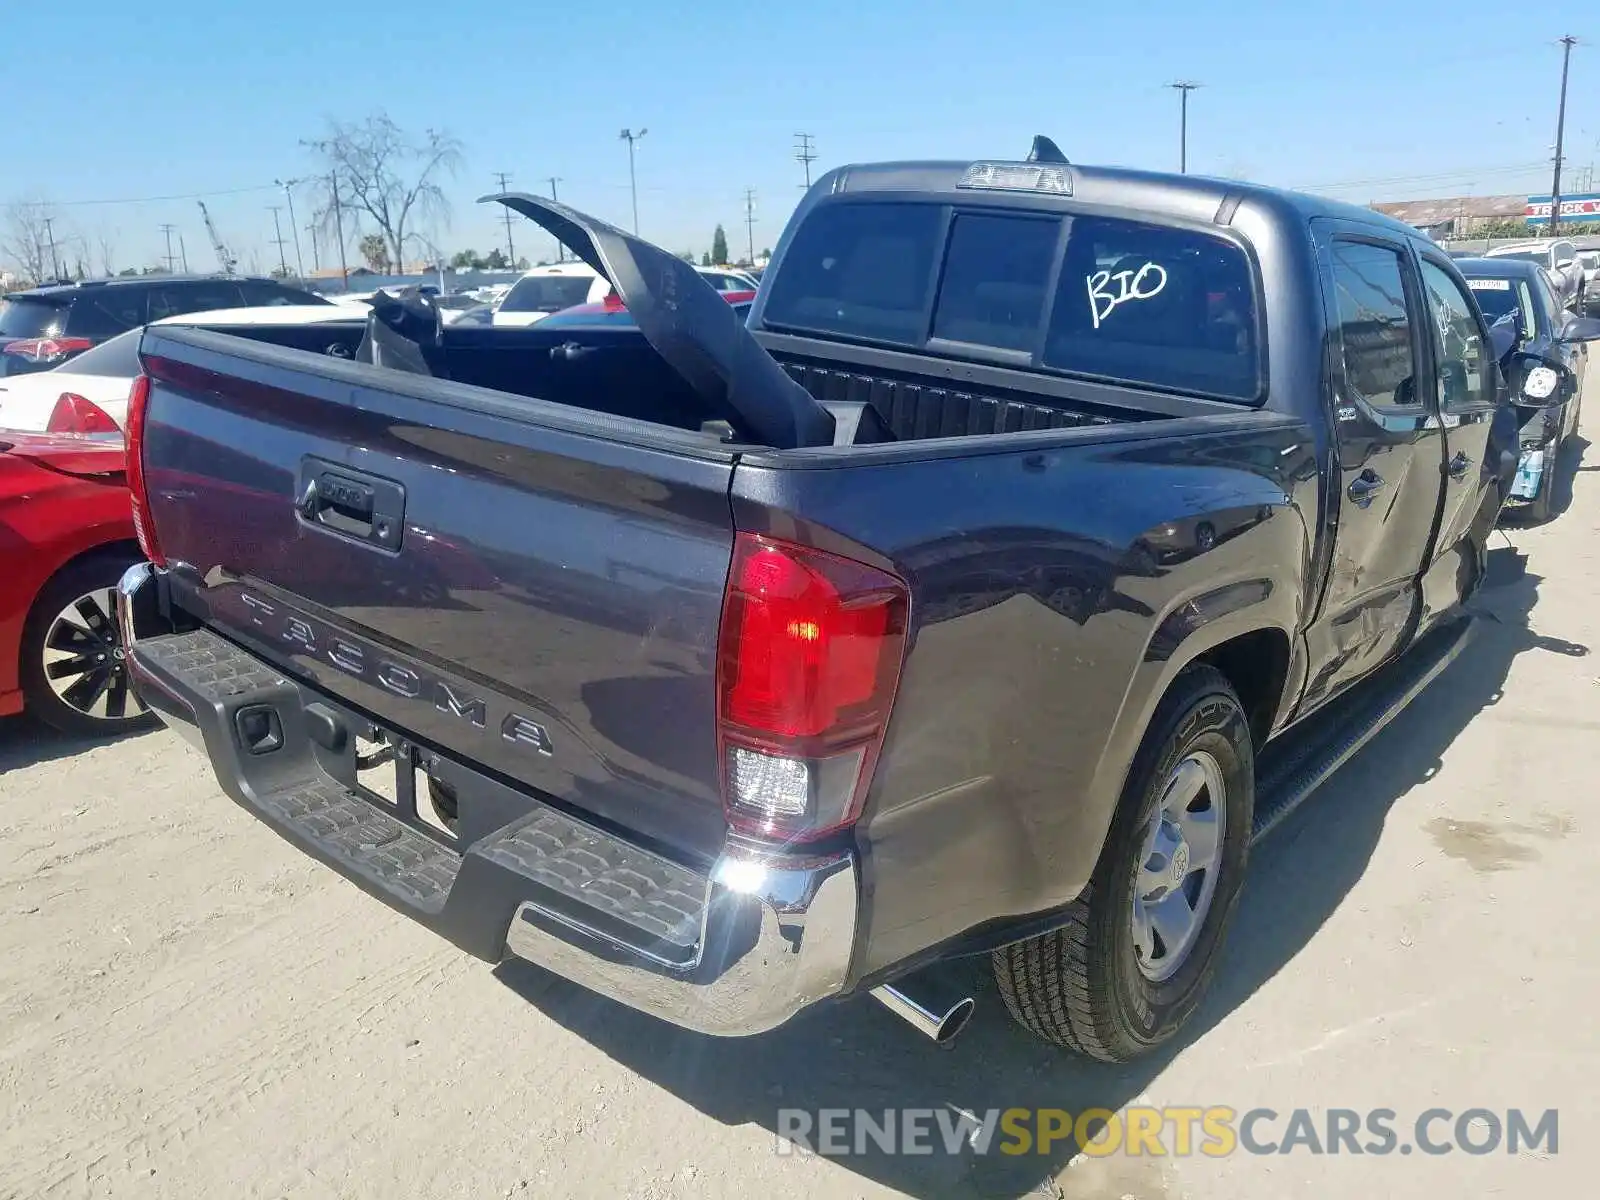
{"type": "Point", "coordinates": [1043, 535]}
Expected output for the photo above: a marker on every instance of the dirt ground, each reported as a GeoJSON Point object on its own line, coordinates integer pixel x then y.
{"type": "Point", "coordinates": [190, 1008]}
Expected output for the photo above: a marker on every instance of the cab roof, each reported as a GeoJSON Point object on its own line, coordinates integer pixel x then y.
{"type": "Point", "coordinates": [1499, 268]}
{"type": "Point", "coordinates": [1158, 193]}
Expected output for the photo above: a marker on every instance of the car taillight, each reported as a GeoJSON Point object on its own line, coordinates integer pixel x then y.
{"type": "Point", "coordinates": [809, 658]}
{"type": "Point", "coordinates": [78, 414]}
{"type": "Point", "coordinates": [143, 527]}
{"type": "Point", "coordinates": [613, 302]}
{"type": "Point", "coordinates": [42, 350]}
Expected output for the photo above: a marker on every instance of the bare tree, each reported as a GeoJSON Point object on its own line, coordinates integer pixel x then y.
{"type": "Point", "coordinates": [380, 170]}
{"type": "Point", "coordinates": [108, 255]}
{"type": "Point", "coordinates": [30, 242]}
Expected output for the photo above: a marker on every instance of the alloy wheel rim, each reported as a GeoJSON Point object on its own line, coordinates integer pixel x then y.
{"type": "Point", "coordinates": [1179, 861]}
{"type": "Point", "coordinates": [84, 661]}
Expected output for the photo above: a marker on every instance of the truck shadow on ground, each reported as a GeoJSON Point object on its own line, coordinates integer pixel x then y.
{"type": "Point", "coordinates": [25, 742]}
{"type": "Point", "coordinates": [857, 1055]}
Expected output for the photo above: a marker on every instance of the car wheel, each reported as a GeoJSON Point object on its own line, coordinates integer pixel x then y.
{"type": "Point", "coordinates": [74, 677]}
{"type": "Point", "coordinates": [1139, 947]}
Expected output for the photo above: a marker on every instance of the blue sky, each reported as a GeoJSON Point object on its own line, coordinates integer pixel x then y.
{"type": "Point", "coordinates": [179, 97]}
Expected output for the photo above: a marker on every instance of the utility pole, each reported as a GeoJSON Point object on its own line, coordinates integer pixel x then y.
{"type": "Point", "coordinates": [631, 137]}
{"type": "Point", "coordinates": [288, 196]}
{"type": "Point", "coordinates": [750, 222]}
{"type": "Point", "coordinates": [167, 229]}
{"type": "Point", "coordinates": [511, 250]}
{"type": "Point", "coordinates": [1561, 129]}
{"type": "Point", "coordinates": [338, 229]}
{"type": "Point", "coordinates": [183, 253]}
{"type": "Point", "coordinates": [277, 231]}
{"type": "Point", "coordinates": [50, 236]}
{"type": "Point", "coordinates": [561, 253]}
{"type": "Point", "coordinates": [316, 257]}
{"type": "Point", "coordinates": [805, 152]}
{"type": "Point", "coordinates": [1183, 88]}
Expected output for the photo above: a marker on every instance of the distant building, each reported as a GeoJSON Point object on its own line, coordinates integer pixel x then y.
{"type": "Point", "coordinates": [1458, 216]}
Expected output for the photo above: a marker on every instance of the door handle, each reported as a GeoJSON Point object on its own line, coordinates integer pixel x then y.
{"type": "Point", "coordinates": [1365, 488]}
{"type": "Point", "coordinates": [350, 502]}
{"type": "Point", "coordinates": [570, 351]}
{"type": "Point", "coordinates": [1458, 466]}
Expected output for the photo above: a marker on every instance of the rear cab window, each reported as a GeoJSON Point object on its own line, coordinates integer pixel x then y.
{"type": "Point", "coordinates": [1144, 304]}
{"type": "Point", "coordinates": [33, 317]}
{"type": "Point", "coordinates": [547, 293]}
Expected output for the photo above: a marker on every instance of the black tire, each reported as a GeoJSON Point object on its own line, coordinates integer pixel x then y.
{"type": "Point", "coordinates": [1082, 986]}
{"type": "Point", "coordinates": [104, 685]}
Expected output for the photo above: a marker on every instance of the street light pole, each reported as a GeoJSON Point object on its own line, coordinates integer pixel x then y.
{"type": "Point", "coordinates": [1183, 88]}
{"type": "Point", "coordinates": [1561, 128]}
{"type": "Point", "coordinates": [631, 137]}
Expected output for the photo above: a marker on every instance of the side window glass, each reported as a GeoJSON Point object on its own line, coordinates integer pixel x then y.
{"type": "Point", "coordinates": [1373, 327]}
{"type": "Point", "coordinates": [1458, 341]}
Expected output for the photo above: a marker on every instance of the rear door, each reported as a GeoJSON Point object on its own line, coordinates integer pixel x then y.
{"type": "Point", "coordinates": [1390, 453]}
{"type": "Point", "coordinates": [1465, 390]}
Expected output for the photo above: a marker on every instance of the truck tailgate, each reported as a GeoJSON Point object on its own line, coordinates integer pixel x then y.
{"type": "Point", "coordinates": [526, 589]}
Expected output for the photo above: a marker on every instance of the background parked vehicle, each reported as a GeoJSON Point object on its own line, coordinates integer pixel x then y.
{"type": "Point", "coordinates": [1591, 279]}
{"type": "Point", "coordinates": [1560, 259]}
{"type": "Point", "coordinates": [728, 279]}
{"type": "Point", "coordinates": [88, 394]}
{"type": "Point", "coordinates": [1549, 393]}
{"type": "Point", "coordinates": [69, 534]}
{"type": "Point", "coordinates": [44, 327]}
{"type": "Point", "coordinates": [546, 290]}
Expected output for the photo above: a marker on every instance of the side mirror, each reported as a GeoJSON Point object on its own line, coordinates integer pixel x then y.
{"type": "Point", "coordinates": [1534, 381]}
{"type": "Point", "coordinates": [1581, 329]}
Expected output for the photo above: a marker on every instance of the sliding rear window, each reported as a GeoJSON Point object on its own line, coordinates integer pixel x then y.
{"type": "Point", "coordinates": [1134, 302]}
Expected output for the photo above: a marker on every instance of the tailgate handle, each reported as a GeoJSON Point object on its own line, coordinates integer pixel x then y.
{"type": "Point", "coordinates": [352, 503]}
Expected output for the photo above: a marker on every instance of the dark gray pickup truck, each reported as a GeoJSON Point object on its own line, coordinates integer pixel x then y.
{"type": "Point", "coordinates": [1042, 537]}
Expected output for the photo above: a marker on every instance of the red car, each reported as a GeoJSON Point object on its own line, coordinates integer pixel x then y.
{"type": "Point", "coordinates": [66, 536]}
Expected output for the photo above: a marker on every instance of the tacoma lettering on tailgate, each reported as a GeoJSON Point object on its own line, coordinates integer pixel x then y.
{"type": "Point", "coordinates": [365, 662]}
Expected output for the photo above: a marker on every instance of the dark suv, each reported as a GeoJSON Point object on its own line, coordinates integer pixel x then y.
{"type": "Point", "coordinates": [45, 326]}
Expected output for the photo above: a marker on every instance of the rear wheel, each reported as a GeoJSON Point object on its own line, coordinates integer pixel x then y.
{"type": "Point", "coordinates": [1141, 942]}
{"type": "Point", "coordinates": [74, 677]}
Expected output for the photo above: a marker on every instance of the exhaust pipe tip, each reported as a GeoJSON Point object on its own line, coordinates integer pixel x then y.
{"type": "Point", "coordinates": [940, 1025]}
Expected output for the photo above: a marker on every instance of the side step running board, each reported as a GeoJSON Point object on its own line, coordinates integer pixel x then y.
{"type": "Point", "coordinates": [1291, 767]}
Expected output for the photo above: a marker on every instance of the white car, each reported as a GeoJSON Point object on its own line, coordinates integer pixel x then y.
{"type": "Point", "coordinates": [1560, 260]}
{"type": "Point", "coordinates": [728, 279]}
{"type": "Point", "coordinates": [89, 393]}
{"type": "Point", "coordinates": [545, 290]}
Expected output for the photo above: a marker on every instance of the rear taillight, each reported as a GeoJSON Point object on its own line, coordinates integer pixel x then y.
{"type": "Point", "coordinates": [613, 302]}
{"type": "Point", "coordinates": [78, 414]}
{"type": "Point", "coordinates": [143, 527]}
{"type": "Point", "coordinates": [808, 660]}
{"type": "Point", "coordinates": [46, 350]}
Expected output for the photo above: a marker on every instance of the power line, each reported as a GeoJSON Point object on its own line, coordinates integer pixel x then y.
{"type": "Point", "coordinates": [750, 220]}
{"type": "Point", "coordinates": [266, 187]}
{"type": "Point", "coordinates": [1508, 169]}
{"type": "Point", "coordinates": [805, 153]}
{"type": "Point", "coordinates": [511, 250]}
